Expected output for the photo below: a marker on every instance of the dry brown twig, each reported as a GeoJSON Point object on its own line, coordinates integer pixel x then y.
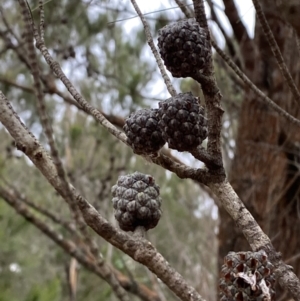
{"type": "Point", "coordinates": [68, 225]}
{"type": "Point", "coordinates": [158, 59]}
{"type": "Point", "coordinates": [184, 8]}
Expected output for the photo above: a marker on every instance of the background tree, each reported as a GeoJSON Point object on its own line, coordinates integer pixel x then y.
{"type": "Point", "coordinates": [116, 74]}
{"type": "Point", "coordinates": [265, 170]}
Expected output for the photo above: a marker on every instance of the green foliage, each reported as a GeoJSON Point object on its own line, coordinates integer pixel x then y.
{"type": "Point", "coordinates": [50, 291]}
{"type": "Point", "coordinates": [27, 270]}
{"type": "Point", "coordinates": [75, 134]}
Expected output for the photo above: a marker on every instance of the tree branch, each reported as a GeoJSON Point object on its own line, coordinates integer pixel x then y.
{"type": "Point", "coordinates": [238, 27]}
{"type": "Point", "coordinates": [256, 238]}
{"type": "Point", "coordinates": [254, 88]}
{"type": "Point", "coordinates": [34, 67]}
{"type": "Point", "coordinates": [85, 106]}
{"type": "Point", "coordinates": [212, 97]}
{"type": "Point", "coordinates": [185, 9]}
{"type": "Point", "coordinates": [85, 258]}
{"type": "Point", "coordinates": [244, 220]}
{"type": "Point", "coordinates": [14, 197]}
{"type": "Point", "coordinates": [158, 59]}
{"type": "Point", "coordinates": [200, 13]}
{"type": "Point", "coordinates": [140, 250]}
{"type": "Point", "coordinates": [276, 51]}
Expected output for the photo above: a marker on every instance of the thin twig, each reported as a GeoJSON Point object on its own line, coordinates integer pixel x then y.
{"type": "Point", "coordinates": [212, 96]}
{"type": "Point", "coordinates": [245, 42]}
{"type": "Point", "coordinates": [8, 82]}
{"type": "Point", "coordinates": [34, 66]}
{"type": "Point", "coordinates": [114, 119]}
{"type": "Point", "coordinates": [47, 213]}
{"type": "Point", "coordinates": [9, 43]}
{"type": "Point", "coordinates": [185, 9]}
{"type": "Point", "coordinates": [158, 59]}
{"type": "Point", "coordinates": [83, 104]}
{"type": "Point", "coordinates": [54, 217]}
{"type": "Point", "coordinates": [253, 87]}
{"type": "Point", "coordinates": [200, 13]}
{"type": "Point", "coordinates": [33, 62]}
{"type": "Point", "coordinates": [276, 51]}
{"type": "Point", "coordinates": [42, 19]}
{"type": "Point", "coordinates": [55, 67]}
{"type": "Point", "coordinates": [238, 27]}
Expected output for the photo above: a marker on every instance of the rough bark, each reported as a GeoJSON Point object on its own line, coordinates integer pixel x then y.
{"type": "Point", "coordinates": [265, 172]}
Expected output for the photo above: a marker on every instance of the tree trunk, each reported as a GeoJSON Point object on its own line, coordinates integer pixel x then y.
{"type": "Point", "coordinates": [265, 171]}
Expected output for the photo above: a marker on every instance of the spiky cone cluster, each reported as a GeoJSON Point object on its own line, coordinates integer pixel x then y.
{"type": "Point", "coordinates": [143, 133]}
{"type": "Point", "coordinates": [247, 276]}
{"type": "Point", "coordinates": [184, 47]}
{"type": "Point", "coordinates": [136, 202]}
{"type": "Point", "coordinates": [182, 122]}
